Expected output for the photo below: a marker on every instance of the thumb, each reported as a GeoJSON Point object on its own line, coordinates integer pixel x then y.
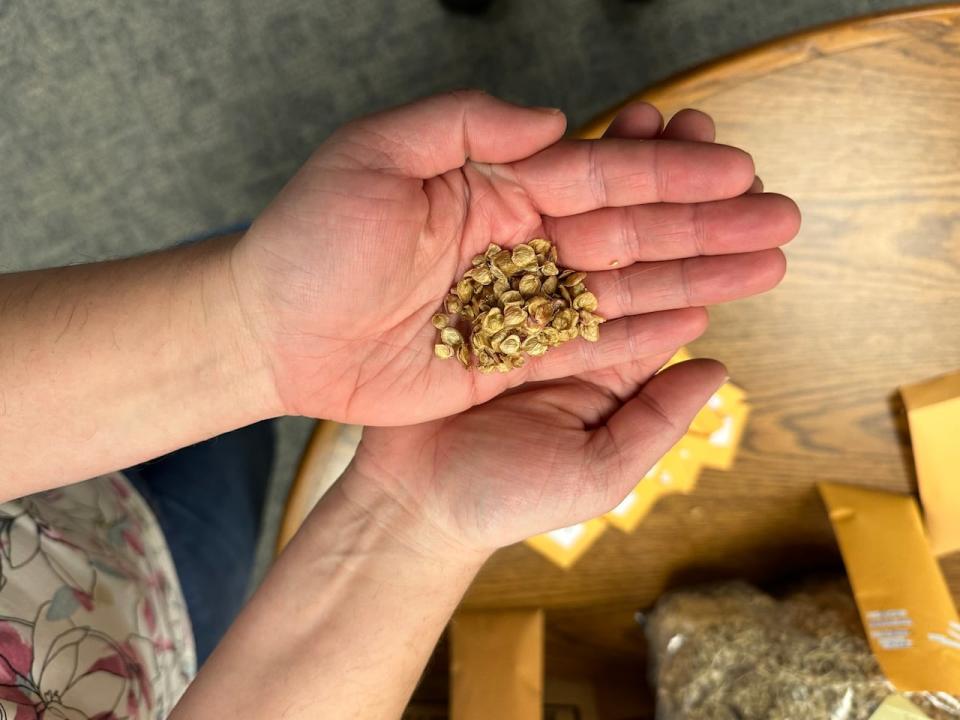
{"type": "Point", "coordinates": [439, 133]}
{"type": "Point", "coordinates": [652, 422]}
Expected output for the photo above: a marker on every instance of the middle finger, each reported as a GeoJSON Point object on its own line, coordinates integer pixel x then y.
{"type": "Point", "coordinates": [618, 237]}
{"type": "Point", "coordinates": [691, 282]}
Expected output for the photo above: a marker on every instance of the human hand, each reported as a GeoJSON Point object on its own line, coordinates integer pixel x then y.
{"type": "Point", "coordinates": [339, 277]}
{"type": "Point", "coordinates": [541, 456]}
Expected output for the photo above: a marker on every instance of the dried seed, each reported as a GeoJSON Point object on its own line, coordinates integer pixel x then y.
{"type": "Point", "coordinates": [479, 341]}
{"type": "Point", "coordinates": [510, 345]}
{"type": "Point", "coordinates": [524, 256]}
{"type": "Point", "coordinates": [588, 318]}
{"type": "Point", "coordinates": [511, 297]}
{"type": "Point", "coordinates": [497, 337]}
{"type": "Point", "coordinates": [531, 326]}
{"type": "Point", "coordinates": [585, 301]}
{"type": "Point", "coordinates": [550, 336]}
{"type": "Point", "coordinates": [590, 332]}
{"type": "Point", "coordinates": [493, 321]}
{"type": "Point", "coordinates": [529, 285]}
{"type": "Point", "coordinates": [465, 290]}
{"type": "Point", "coordinates": [539, 245]}
{"type": "Point", "coordinates": [543, 314]}
{"type": "Point", "coordinates": [535, 302]}
{"type": "Point", "coordinates": [518, 304]}
{"type": "Point", "coordinates": [444, 352]}
{"type": "Point", "coordinates": [452, 304]}
{"type": "Point", "coordinates": [483, 275]}
{"type": "Point", "coordinates": [504, 261]}
{"type": "Point", "coordinates": [536, 349]}
{"type": "Point", "coordinates": [451, 336]}
{"type": "Point", "coordinates": [565, 319]}
{"type": "Point", "coordinates": [514, 315]}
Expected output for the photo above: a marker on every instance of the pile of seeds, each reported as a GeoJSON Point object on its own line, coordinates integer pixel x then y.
{"type": "Point", "coordinates": [516, 303]}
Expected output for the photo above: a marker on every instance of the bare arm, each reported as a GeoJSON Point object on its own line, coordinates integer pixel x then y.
{"type": "Point", "coordinates": [106, 365]}
{"type": "Point", "coordinates": [323, 307]}
{"type": "Point", "coordinates": [346, 620]}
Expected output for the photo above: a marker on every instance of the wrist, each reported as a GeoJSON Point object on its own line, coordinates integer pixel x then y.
{"type": "Point", "coordinates": [402, 525]}
{"type": "Point", "coordinates": [242, 367]}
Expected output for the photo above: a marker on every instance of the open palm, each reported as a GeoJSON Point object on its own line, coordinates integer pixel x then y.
{"type": "Point", "coordinates": [542, 456]}
{"type": "Point", "coordinates": [340, 275]}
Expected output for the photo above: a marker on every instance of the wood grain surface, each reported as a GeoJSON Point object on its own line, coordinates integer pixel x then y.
{"type": "Point", "coordinates": [860, 123]}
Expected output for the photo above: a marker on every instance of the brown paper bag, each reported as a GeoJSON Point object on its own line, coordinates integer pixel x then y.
{"type": "Point", "coordinates": [496, 665]}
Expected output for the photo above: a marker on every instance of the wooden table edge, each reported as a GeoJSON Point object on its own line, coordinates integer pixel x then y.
{"type": "Point", "coordinates": [722, 73]}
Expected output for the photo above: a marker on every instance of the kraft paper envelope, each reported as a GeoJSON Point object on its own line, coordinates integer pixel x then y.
{"type": "Point", "coordinates": [496, 665]}
{"type": "Point", "coordinates": [933, 410]}
{"type": "Point", "coordinates": [906, 608]}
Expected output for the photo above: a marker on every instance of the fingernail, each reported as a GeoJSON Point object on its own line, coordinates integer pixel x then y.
{"type": "Point", "coordinates": [548, 110]}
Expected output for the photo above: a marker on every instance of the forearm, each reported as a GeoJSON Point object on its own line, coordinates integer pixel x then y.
{"type": "Point", "coordinates": [109, 364]}
{"type": "Point", "coordinates": [344, 623]}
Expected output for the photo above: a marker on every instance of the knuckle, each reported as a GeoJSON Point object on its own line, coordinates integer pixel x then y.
{"type": "Point", "coordinates": [595, 179]}
{"type": "Point", "coordinates": [698, 230]}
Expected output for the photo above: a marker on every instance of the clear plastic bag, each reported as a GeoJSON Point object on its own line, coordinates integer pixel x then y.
{"type": "Point", "coordinates": [732, 652]}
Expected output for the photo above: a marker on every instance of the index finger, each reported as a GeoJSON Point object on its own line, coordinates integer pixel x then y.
{"type": "Point", "coordinates": [576, 176]}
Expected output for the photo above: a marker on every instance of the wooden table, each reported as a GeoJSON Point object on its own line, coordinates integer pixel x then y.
{"type": "Point", "coordinates": [860, 123]}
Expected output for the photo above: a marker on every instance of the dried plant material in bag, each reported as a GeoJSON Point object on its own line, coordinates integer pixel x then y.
{"type": "Point", "coordinates": [732, 652]}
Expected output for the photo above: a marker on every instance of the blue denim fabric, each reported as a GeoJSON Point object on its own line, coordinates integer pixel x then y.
{"type": "Point", "coordinates": [208, 499]}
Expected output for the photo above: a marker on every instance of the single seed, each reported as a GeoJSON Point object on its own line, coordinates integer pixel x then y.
{"type": "Point", "coordinates": [465, 290]}
{"type": "Point", "coordinates": [451, 336]}
{"type": "Point", "coordinates": [585, 301]}
{"type": "Point", "coordinates": [511, 297]}
{"type": "Point", "coordinates": [510, 345]}
{"type": "Point", "coordinates": [529, 285]}
{"type": "Point", "coordinates": [493, 321]}
{"type": "Point", "coordinates": [514, 315]}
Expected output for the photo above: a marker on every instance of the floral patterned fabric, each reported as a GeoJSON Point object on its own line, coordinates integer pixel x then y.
{"type": "Point", "coordinates": [93, 625]}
